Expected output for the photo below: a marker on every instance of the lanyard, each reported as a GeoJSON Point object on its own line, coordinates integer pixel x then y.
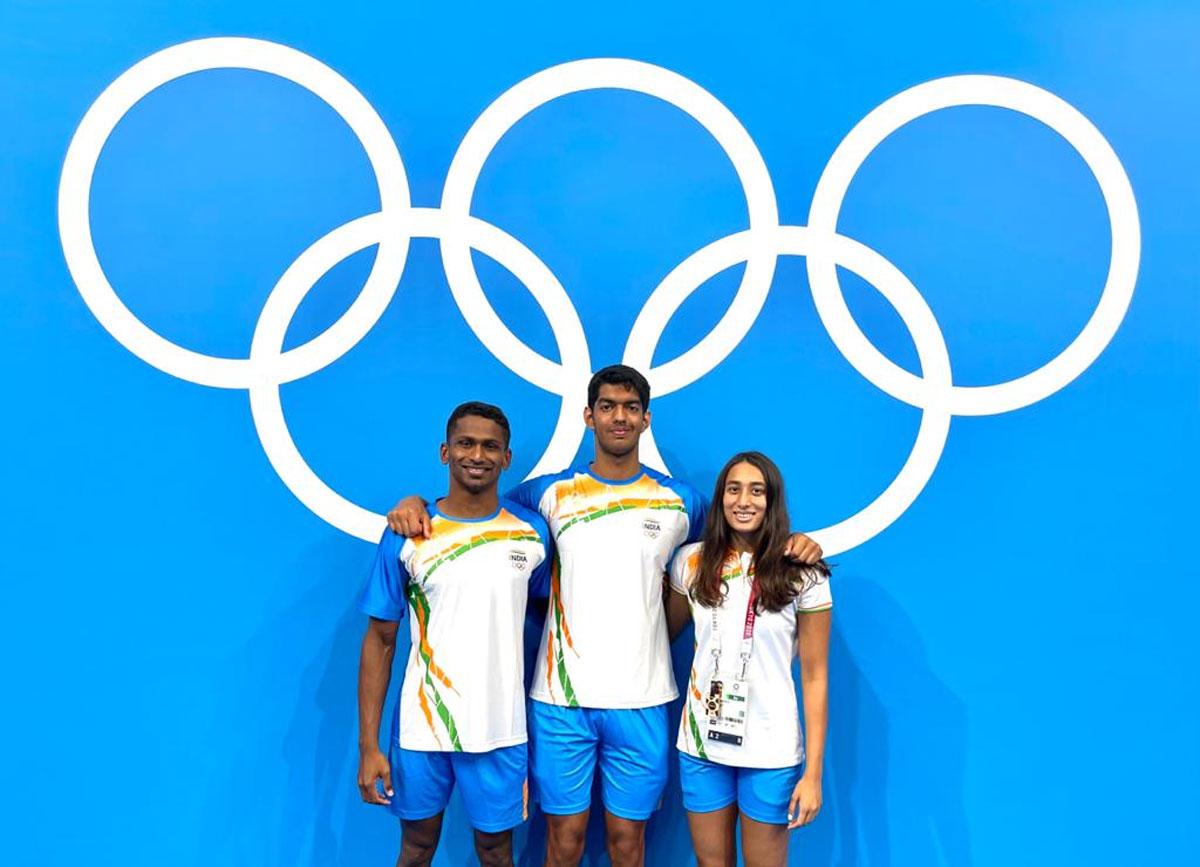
{"type": "Point", "coordinates": [747, 630]}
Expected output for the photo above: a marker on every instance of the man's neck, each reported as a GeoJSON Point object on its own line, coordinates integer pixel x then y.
{"type": "Point", "coordinates": [461, 503]}
{"type": "Point", "coordinates": [616, 467]}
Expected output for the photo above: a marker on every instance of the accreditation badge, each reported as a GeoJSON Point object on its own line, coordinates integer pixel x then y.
{"type": "Point", "coordinates": [727, 703]}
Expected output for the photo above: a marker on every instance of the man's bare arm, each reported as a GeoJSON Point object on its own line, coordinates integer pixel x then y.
{"type": "Point", "coordinates": [374, 675]}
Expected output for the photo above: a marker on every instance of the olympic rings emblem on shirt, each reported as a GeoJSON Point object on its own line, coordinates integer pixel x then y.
{"type": "Point", "coordinates": [458, 232]}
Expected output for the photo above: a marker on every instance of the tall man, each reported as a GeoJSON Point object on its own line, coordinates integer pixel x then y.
{"type": "Point", "coordinates": [603, 677]}
{"type": "Point", "coordinates": [461, 714]}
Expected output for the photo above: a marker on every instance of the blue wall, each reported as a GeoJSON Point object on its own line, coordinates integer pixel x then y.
{"type": "Point", "coordinates": [1013, 664]}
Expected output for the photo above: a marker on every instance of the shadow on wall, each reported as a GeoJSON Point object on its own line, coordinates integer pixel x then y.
{"type": "Point", "coordinates": [287, 793]}
{"type": "Point", "coordinates": [283, 761]}
{"type": "Point", "coordinates": [894, 727]}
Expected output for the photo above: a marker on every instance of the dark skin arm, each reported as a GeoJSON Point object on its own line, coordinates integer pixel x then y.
{"type": "Point", "coordinates": [678, 611]}
{"type": "Point", "coordinates": [374, 674]}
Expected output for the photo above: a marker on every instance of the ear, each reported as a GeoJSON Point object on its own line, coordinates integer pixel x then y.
{"type": "Point", "coordinates": [645, 420]}
{"type": "Point", "coordinates": [444, 453]}
{"type": "Point", "coordinates": [588, 419]}
{"type": "Point", "coordinates": [506, 460]}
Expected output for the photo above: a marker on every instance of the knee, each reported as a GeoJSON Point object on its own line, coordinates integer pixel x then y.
{"type": "Point", "coordinates": [494, 850]}
{"type": "Point", "coordinates": [565, 841]}
{"type": "Point", "coordinates": [416, 850]}
{"type": "Point", "coordinates": [625, 844]}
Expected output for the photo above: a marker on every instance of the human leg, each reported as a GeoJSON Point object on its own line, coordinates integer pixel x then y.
{"type": "Point", "coordinates": [710, 798]}
{"type": "Point", "coordinates": [713, 836]}
{"type": "Point", "coordinates": [633, 754]}
{"type": "Point", "coordinates": [563, 743]}
{"type": "Point", "coordinates": [494, 787]}
{"type": "Point", "coordinates": [763, 795]}
{"type": "Point", "coordinates": [494, 849]}
{"type": "Point", "coordinates": [422, 782]}
{"type": "Point", "coordinates": [565, 836]}
{"type": "Point", "coordinates": [625, 840]}
{"type": "Point", "coordinates": [418, 841]}
{"type": "Point", "coordinates": [763, 844]}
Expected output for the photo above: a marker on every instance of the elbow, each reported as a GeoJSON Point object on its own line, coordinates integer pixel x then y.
{"type": "Point", "coordinates": [384, 632]}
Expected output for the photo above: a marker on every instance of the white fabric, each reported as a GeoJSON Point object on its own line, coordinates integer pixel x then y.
{"type": "Point", "coordinates": [605, 643]}
{"type": "Point", "coordinates": [773, 737]}
{"type": "Point", "coordinates": [476, 578]}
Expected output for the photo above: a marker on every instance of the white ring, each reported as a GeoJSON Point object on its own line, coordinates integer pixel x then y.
{"type": "Point", "coordinates": [265, 401]}
{"type": "Point", "coordinates": [392, 227]}
{"type": "Point", "coordinates": [197, 56]}
{"type": "Point", "coordinates": [702, 265]}
{"type": "Point", "coordinates": [547, 85]}
{"type": "Point", "coordinates": [1118, 198]}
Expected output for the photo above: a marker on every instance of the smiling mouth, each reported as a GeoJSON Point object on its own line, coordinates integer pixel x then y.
{"type": "Point", "coordinates": [744, 516]}
{"type": "Point", "coordinates": [476, 472]}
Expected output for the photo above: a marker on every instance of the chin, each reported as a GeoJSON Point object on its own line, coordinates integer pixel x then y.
{"type": "Point", "coordinates": [620, 448]}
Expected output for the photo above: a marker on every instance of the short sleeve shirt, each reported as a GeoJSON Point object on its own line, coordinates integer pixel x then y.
{"type": "Point", "coordinates": [605, 642]}
{"type": "Point", "coordinates": [772, 719]}
{"type": "Point", "coordinates": [466, 586]}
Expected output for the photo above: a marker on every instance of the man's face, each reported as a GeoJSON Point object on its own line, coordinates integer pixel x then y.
{"type": "Point", "coordinates": [618, 419]}
{"type": "Point", "coordinates": [476, 453]}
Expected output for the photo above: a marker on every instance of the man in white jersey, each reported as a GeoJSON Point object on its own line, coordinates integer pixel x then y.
{"type": "Point", "coordinates": [460, 719]}
{"type": "Point", "coordinates": [603, 677]}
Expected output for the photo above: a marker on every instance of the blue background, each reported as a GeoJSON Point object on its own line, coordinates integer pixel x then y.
{"type": "Point", "coordinates": [1013, 664]}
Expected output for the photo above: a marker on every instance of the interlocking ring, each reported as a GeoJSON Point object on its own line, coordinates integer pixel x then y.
{"type": "Point", "coordinates": [459, 232]}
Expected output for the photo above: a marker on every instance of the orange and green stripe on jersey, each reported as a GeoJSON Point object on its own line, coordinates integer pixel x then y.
{"type": "Point", "coordinates": [555, 661]}
{"type": "Point", "coordinates": [598, 500]}
{"type": "Point", "coordinates": [457, 547]}
{"type": "Point", "coordinates": [693, 726]}
{"type": "Point", "coordinates": [420, 608]}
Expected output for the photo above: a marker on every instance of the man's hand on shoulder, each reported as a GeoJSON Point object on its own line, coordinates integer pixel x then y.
{"type": "Point", "coordinates": [408, 518]}
{"type": "Point", "coordinates": [802, 548]}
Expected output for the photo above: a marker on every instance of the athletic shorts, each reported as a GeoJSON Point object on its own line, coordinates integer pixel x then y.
{"type": "Point", "coordinates": [492, 784]}
{"type": "Point", "coordinates": [763, 794]}
{"type": "Point", "coordinates": [631, 744]}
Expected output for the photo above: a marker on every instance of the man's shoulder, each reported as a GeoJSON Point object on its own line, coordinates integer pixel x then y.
{"type": "Point", "coordinates": [686, 490]}
{"type": "Point", "coordinates": [526, 516]}
{"type": "Point", "coordinates": [546, 481]}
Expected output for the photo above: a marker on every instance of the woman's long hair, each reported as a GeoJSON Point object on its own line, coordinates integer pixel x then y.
{"type": "Point", "coordinates": [779, 579]}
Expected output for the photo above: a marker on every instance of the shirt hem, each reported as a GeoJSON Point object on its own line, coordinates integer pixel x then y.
{"type": "Point", "coordinates": [643, 702]}
{"type": "Point", "coordinates": [761, 765]}
{"type": "Point", "coordinates": [486, 747]}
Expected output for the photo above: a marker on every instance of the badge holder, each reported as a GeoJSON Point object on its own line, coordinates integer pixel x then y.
{"type": "Point", "coordinates": [729, 699]}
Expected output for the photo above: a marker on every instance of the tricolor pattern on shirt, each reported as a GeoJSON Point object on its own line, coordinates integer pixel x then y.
{"type": "Point", "coordinates": [773, 737]}
{"type": "Point", "coordinates": [605, 642]}
{"type": "Point", "coordinates": [466, 585]}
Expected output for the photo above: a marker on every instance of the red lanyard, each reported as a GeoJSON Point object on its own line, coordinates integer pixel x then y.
{"type": "Point", "coordinates": [747, 631]}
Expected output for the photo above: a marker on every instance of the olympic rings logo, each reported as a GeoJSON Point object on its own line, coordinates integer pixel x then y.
{"type": "Point", "coordinates": [458, 233]}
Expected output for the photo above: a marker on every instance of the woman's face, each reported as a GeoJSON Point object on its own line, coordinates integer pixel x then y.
{"type": "Point", "coordinates": [745, 498]}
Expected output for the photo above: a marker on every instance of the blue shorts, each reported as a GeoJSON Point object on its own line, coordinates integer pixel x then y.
{"type": "Point", "coordinates": [631, 743]}
{"type": "Point", "coordinates": [763, 794]}
{"type": "Point", "coordinates": [492, 784]}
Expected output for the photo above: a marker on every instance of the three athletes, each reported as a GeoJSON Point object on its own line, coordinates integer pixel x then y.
{"type": "Point", "coordinates": [603, 676]}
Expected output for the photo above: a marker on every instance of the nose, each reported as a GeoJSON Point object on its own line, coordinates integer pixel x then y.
{"type": "Point", "coordinates": [477, 452]}
{"type": "Point", "coordinates": [743, 497]}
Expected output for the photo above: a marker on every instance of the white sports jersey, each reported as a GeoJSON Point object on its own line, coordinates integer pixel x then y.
{"type": "Point", "coordinates": [605, 643]}
{"type": "Point", "coordinates": [467, 586]}
{"type": "Point", "coordinates": [772, 737]}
